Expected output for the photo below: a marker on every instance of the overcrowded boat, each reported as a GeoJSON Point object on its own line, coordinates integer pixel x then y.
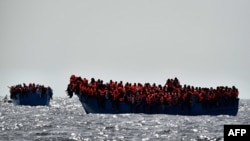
{"type": "Point", "coordinates": [171, 98]}
{"type": "Point", "coordinates": [32, 94]}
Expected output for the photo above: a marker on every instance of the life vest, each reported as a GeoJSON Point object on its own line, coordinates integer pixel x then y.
{"type": "Point", "coordinates": [102, 92]}
{"type": "Point", "coordinates": [116, 95]}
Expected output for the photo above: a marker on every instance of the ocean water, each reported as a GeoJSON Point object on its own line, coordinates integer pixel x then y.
{"type": "Point", "coordinates": [65, 120]}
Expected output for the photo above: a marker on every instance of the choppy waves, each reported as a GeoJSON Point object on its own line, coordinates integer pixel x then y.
{"type": "Point", "coordinates": [65, 119]}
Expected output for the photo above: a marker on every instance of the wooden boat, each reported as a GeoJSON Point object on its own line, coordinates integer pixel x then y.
{"type": "Point", "coordinates": [34, 95]}
{"type": "Point", "coordinates": [32, 99]}
{"type": "Point", "coordinates": [173, 98]}
{"type": "Point", "coordinates": [104, 106]}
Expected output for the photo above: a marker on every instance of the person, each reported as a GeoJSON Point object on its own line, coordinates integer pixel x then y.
{"type": "Point", "coordinates": [50, 92]}
{"type": "Point", "coordinates": [70, 91]}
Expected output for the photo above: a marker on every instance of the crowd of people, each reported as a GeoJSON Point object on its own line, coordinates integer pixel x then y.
{"type": "Point", "coordinates": [171, 93]}
{"type": "Point", "coordinates": [23, 89]}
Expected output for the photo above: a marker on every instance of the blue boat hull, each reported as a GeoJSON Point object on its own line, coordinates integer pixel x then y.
{"type": "Point", "coordinates": [32, 99]}
{"type": "Point", "coordinates": [93, 105]}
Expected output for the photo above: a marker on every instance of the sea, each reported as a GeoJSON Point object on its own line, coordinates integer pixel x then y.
{"type": "Point", "coordinates": [66, 120]}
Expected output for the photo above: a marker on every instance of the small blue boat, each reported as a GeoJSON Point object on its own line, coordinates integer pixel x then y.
{"type": "Point", "coordinates": [94, 105]}
{"type": "Point", "coordinates": [32, 99]}
{"type": "Point", "coordinates": [31, 95]}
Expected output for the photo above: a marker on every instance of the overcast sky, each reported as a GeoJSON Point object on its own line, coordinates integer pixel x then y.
{"type": "Point", "coordinates": [203, 43]}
